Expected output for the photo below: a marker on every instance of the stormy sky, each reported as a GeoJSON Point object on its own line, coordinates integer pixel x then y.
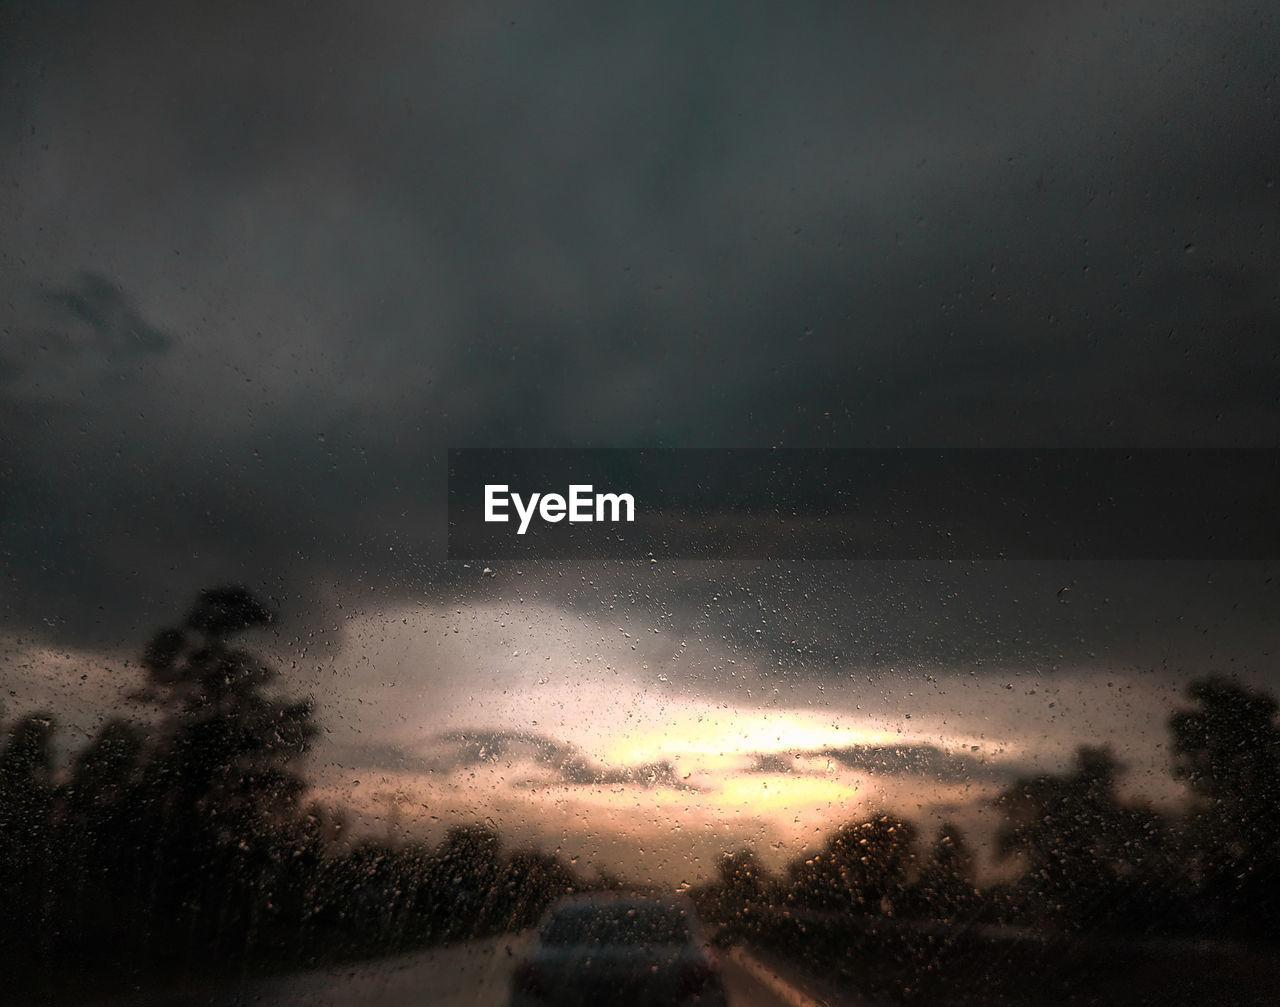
{"type": "Point", "coordinates": [264, 263]}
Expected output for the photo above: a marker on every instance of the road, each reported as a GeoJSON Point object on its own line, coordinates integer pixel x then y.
{"type": "Point", "coordinates": [475, 975]}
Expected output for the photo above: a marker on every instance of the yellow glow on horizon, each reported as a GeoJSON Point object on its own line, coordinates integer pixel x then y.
{"type": "Point", "coordinates": [789, 795]}
{"type": "Point", "coordinates": [719, 739]}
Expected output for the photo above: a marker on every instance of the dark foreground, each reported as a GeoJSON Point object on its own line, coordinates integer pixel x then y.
{"type": "Point", "coordinates": [474, 974]}
{"type": "Point", "coordinates": [888, 961]}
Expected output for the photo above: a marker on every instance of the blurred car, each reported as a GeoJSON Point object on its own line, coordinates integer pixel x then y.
{"type": "Point", "coordinates": [618, 948]}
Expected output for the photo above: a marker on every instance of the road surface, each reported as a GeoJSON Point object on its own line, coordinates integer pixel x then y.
{"type": "Point", "coordinates": [475, 975]}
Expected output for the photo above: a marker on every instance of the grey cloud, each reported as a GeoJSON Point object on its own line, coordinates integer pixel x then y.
{"type": "Point", "coordinates": [80, 348]}
{"type": "Point", "coordinates": [453, 751]}
{"type": "Point", "coordinates": [924, 760]}
{"type": "Point", "coordinates": [912, 759]}
{"type": "Point", "coordinates": [119, 332]}
{"type": "Point", "coordinates": [774, 762]}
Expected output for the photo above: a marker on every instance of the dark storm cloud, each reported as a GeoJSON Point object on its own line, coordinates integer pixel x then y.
{"type": "Point", "coordinates": [94, 332]}
{"type": "Point", "coordinates": [924, 760]}
{"type": "Point", "coordinates": [454, 751]}
{"type": "Point", "coordinates": [887, 626]}
{"type": "Point", "coordinates": [359, 240]}
{"type": "Point", "coordinates": [118, 332]}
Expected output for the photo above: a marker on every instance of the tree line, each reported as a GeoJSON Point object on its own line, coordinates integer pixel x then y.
{"type": "Point", "coordinates": [185, 846]}
{"type": "Point", "coordinates": [1108, 900]}
{"type": "Point", "coordinates": [1087, 859]}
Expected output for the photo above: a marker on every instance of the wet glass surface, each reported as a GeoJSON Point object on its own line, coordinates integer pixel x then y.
{"type": "Point", "coordinates": [265, 739]}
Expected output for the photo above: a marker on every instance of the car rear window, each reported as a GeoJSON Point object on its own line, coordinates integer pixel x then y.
{"type": "Point", "coordinates": [641, 925]}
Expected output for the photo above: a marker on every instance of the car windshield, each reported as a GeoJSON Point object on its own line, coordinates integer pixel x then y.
{"type": "Point", "coordinates": [624, 924]}
{"type": "Point", "coordinates": [816, 464]}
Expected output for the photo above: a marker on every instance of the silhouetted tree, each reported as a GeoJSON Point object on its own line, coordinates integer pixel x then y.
{"type": "Point", "coordinates": [1227, 748]}
{"type": "Point", "coordinates": [1091, 859]}
{"type": "Point", "coordinates": [26, 777]}
{"type": "Point", "coordinates": [466, 870]}
{"type": "Point", "coordinates": [945, 889]}
{"type": "Point", "coordinates": [532, 881]}
{"type": "Point", "coordinates": [234, 743]}
{"type": "Point", "coordinates": [27, 800]}
{"type": "Point", "coordinates": [740, 891]}
{"type": "Point", "coordinates": [864, 867]}
{"type": "Point", "coordinates": [104, 832]}
{"type": "Point", "coordinates": [741, 875]}
{"type": "Point", "coordinates": [221, 789]}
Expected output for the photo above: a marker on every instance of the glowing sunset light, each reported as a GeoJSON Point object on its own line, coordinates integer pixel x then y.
{"type": "Point", "coordinates": [726, 735]}
{"type": "Point", "coordinates": [792, 796]}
